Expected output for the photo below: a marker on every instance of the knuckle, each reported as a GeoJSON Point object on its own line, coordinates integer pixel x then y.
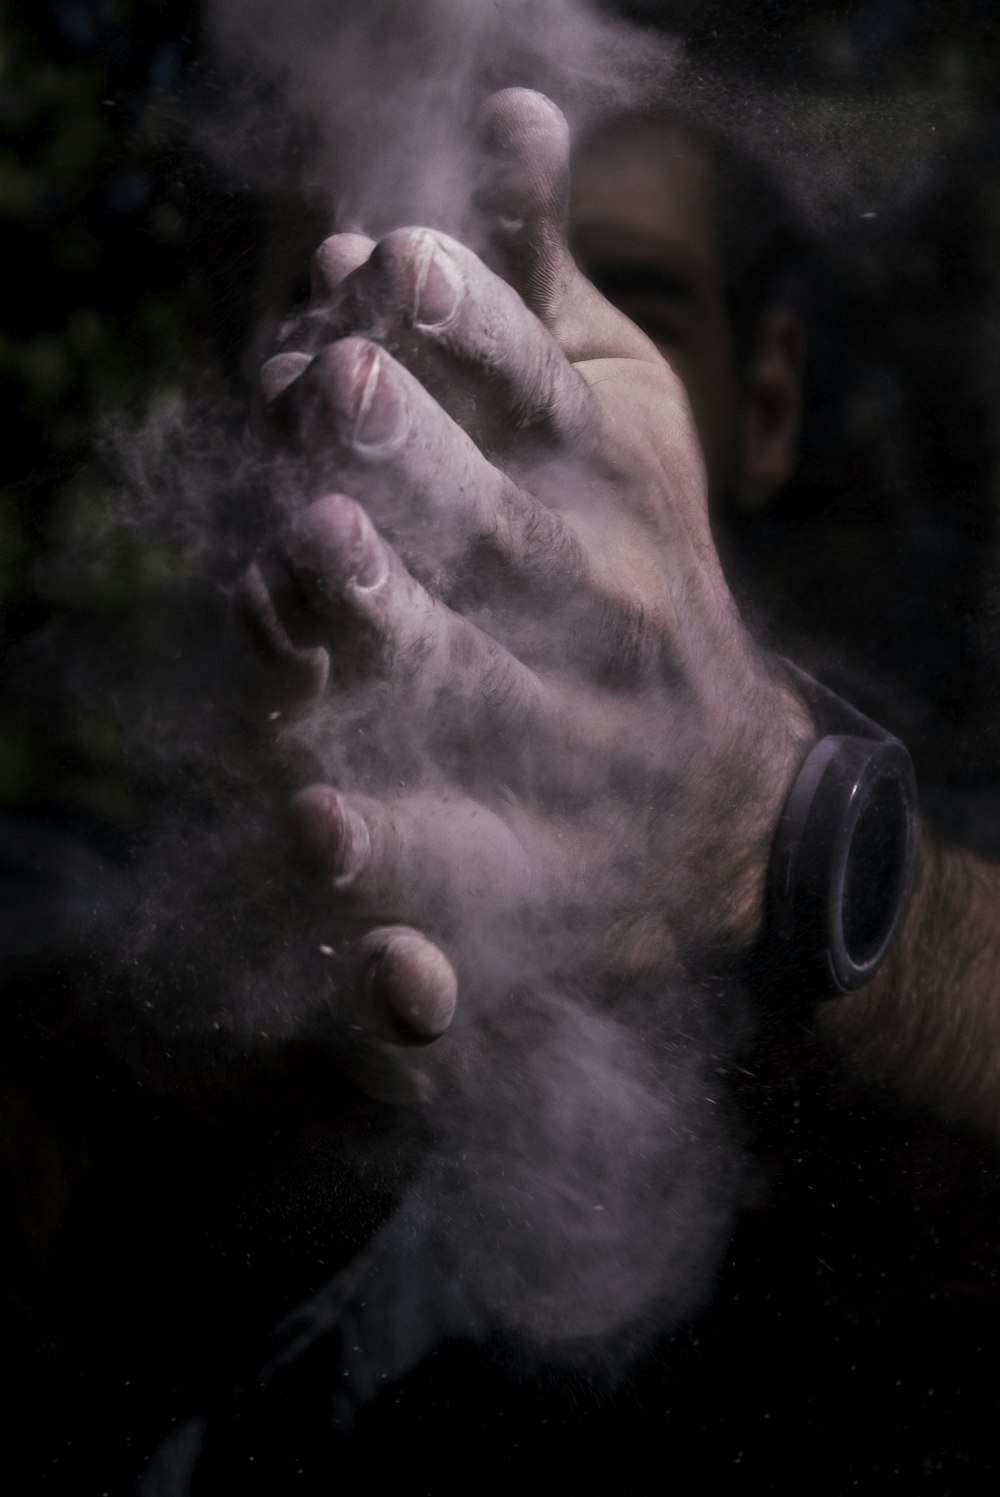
{"type": "Point", "coordinates": [573, 410]}
{"type": "Point", "coordinates": [550, 548]}
{"type": "Point", "coordinates": [408, 653]}
{"type": "Point", "coordinates": [501, 682]}
{"type": "Point", "coordinates": [632, 647]}
{"type": "Point", "coordinates": [550, 398]}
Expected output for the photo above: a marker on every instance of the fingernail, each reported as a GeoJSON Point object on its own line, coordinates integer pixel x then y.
{"type": "Point", "coordinates": [412, 989]}
{"type": "Point", "coordinates": [335, 544]}
{"type": "Point", "coordinates": [380, 413]}
{"type": "Point", "coordinates": [439, 286]}
{"type": "Point", "coordinates": [332, 833]}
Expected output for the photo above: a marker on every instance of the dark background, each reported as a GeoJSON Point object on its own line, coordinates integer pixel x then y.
{"type": "Point", "coordinates": [853, 1339]}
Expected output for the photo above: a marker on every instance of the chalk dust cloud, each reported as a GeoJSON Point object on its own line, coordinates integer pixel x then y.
{"type": "Point", "coordinates": [384, 96]}
{"type": "Point", "coordinates": [583, 1166]}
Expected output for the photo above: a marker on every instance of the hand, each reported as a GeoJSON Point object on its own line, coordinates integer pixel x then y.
{"type": "Point", "coordinates": [543, 744]}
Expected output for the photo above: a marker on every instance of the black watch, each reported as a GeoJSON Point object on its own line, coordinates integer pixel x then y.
{"type": "Point", "coordinates": [842, 856]}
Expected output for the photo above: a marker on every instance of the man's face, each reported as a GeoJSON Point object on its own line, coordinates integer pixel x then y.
{"type": "Point", "coordinates": [642, 229]}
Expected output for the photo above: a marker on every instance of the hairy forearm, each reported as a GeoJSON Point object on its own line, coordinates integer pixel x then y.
{"type": "Point", "coordinates": [929, 1024]}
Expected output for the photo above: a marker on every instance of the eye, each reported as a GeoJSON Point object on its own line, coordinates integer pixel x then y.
{"type": "Point", "coordinates": [661, 303]}
{"type": "Point", "coordinates": [662, 321]}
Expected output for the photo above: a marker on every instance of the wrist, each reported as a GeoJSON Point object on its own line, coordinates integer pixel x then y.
{"type": "Point", "coordinates": [756, 779]}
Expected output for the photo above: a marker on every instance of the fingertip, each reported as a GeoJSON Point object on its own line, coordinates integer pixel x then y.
{"type": "Point", "coordinates": [336, 259]}
{"type": "Point", "coordinates": [524, 194]}
{"type": "Point", "coordinates": [513, 114]}
{"type": "Point", "coordinates": [360, 387]}
{"type": "Point", "coordinates": [527, 142]}
{"type": "Point", "coordinates": [411, 986]}
{"type": "Point", "coordinates": [333, 544]}
{"type": "Point", "coordinates": [331, 833]}
{"type": "Point", "coordinates": [269, 414]}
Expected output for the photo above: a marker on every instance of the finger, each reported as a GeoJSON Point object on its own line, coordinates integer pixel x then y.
{"type": "Point", "coordinates": [463, 528]}
{"type": "Point", "coordinates": [495, 892]}
{"type": "Point", "coordinates": [522, 202]}
{"type": "Point", "coordinates": [334, 261]}
{"type": "Point", "coordinates": [409, 991]}
{"type": "Point", "coordinates": [336, 258]}
{"type": "Point", "coordinates": [392, 984]}
{"type": "Point", "coordinates": [464, 332]}
{"type": "Point", "coordinates": [427, 486]}
{"type": "Point", "coordinates": [523, 195]}
{"type": "Point", "coordinates": [275, 376]}
{"type": "Point", "coordinates": [428, 686]}
{"type": "Point", "coordinates": [271, 669]}
{"type": "Point", "coordinates": [455, 690]}
{"type": "Point", "coordinates": [444, 864]}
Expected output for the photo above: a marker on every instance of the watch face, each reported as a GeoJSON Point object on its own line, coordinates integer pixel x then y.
{"type": "Point", "coordinates": [862, 833]}
{"type": "Point", "coordinates": [877, 868]}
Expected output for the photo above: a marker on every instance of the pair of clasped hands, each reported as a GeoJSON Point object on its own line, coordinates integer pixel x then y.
{"type": "Point", "coordinates": [549, 748]}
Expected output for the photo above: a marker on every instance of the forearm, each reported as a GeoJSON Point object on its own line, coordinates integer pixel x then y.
{"type": "Point", "coordinates": [929, 1024]}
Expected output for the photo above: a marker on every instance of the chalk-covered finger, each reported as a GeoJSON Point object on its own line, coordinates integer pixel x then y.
{"type": "Point", "coordinates": [274, 671]}
{"type": "Point", "coordinates": [334, 261]}
{"type": "Point", "coordinates": [464, 529]}
{"type": "Point", "coordinates": [465, 696]}
{"type": "Point", "coordinates": [522, 209]}
{"type": "Point", "coordinates": [443, 863]}
{"type": "Point", "coordinates": [392, 984]}
{"type": "Point", "coordinates": [373, 429]}
{"type": "Point", "coordinates": [276, 375]}
{"type": "Point", "coordinates": [465, 333]}
{"type": "Point", "coordinates": [408, 990]}
{"type": "Point", "coordinates": [523, 193]}
{"type": "Point", "coordinates": [429, 685]}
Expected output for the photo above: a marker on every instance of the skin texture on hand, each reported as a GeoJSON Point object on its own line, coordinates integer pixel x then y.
{"type": "Point", "coordinates": [543, 739]}
{"type": "Point", "coordinates": [929, 1023]}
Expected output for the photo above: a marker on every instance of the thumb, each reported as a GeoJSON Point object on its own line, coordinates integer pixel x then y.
{"type": "Point", "coordinates": [522, 202]}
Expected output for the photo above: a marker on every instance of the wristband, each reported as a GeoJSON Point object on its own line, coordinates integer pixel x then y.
{"type": "Point", "coordinates": [843, 851]}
